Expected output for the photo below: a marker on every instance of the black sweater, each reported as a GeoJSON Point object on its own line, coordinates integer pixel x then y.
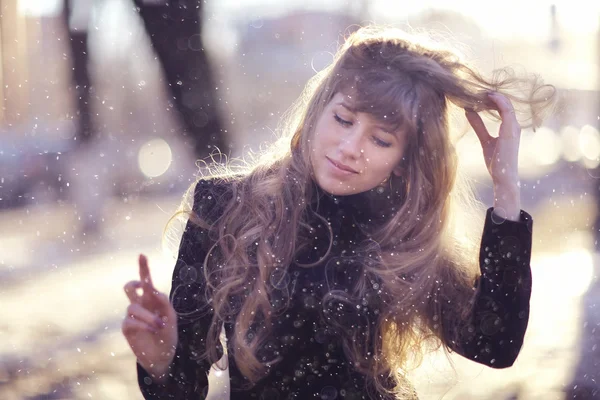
{"type": "Point", "coordinates": [308, 334]}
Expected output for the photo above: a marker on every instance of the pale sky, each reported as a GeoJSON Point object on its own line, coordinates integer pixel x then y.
{"type": "Point", "coordinates": [510, 18]}
{"type": "Point", "coordinates": [514, 21]}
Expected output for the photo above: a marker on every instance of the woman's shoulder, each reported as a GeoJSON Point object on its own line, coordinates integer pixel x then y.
{"type": "Point", "coordinates": [207, 187]}
{"type": "Point", "coordinates": [211, 194]}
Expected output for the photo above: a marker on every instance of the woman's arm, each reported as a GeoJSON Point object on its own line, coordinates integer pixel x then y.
{"type": "Point", "coordinates": [494, 332]}
{"type": "Point", "coordinates": [187, 378]}
{"type": "Point", "coordinates": [495, 327]}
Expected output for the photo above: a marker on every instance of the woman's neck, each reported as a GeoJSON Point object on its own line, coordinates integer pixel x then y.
{"type": "Point", "coordinates": [368, 208]}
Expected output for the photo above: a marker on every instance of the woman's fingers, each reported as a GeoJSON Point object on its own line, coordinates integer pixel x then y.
{"type": "Point", "coordinates": [507, 113]}
{"type": "Point", "coordinates": [152, 306]}
{"type": "Point", "coordinates": [478, 126]}
{"type": "Point", "coordinates": [145, 274]}
{"type": "Point", "coordinates": [131, 288]}
{"type": "Point", "coordinates": [131, 326]}
{"type": "Point", "coordinates": [137, 311]}
{"type": "Point", "coordinates": [158, 301]}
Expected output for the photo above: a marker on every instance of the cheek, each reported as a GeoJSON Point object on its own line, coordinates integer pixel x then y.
{"type": "Point", "coordinates": [325, 134]}
{"type": "Point", "coordinates": [381, 167]}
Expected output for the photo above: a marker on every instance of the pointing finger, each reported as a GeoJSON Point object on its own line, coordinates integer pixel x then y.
{"type": "Point", "coordinates": [145, 275]}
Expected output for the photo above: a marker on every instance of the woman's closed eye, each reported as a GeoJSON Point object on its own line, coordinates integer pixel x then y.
{"type": "Point", "coordinates": [342, 122]}
{"type": "Point", "coordinates": [381, 143]}
{"type": "Point", "coordinates": [345, 123]}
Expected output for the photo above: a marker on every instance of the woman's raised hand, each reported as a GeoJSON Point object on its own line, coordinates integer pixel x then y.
{"type": "Point", "coordinates": [150, 325]}
{"type": "Point", "coordinates": [501, 155]}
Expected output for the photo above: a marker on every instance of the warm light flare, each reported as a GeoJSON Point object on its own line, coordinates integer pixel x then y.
{"type": "Point", "coordinates": [154, 158]}
{"type": "Point", "coordinates": [589, 145]}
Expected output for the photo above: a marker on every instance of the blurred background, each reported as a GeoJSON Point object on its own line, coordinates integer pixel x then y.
{"type": "Point", "coordinates": [106, 104]}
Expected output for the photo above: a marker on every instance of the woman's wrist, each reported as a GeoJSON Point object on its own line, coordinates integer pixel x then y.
{"type": "Point", "coordinates": [507, 201]}
{"type": "Point", "coordinates": [158, 372]}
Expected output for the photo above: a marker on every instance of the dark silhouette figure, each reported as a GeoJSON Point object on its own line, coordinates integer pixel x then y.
{"type": "Point", "coordinates": [174, 29]}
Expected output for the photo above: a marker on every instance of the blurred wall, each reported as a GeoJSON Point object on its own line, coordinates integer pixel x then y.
{"type": "Point", "coordinates": [34, 63]}
{"type": "Point", "coordinates": [13, 65]}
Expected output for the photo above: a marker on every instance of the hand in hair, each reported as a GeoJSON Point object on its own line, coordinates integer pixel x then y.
{"type": "Point", "coordinates": [501, 155]}
{"type": "Point", "coordinates": [150, 325]}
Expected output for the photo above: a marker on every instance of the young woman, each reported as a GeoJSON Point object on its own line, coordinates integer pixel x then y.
{"type": "Point", "coordinates": [322, 270]}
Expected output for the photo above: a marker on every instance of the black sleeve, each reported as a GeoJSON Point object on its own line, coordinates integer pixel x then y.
{"type": "Point", "coordinates": [493, 335]}
{"type": "Point", "coordinates": [188, 375]}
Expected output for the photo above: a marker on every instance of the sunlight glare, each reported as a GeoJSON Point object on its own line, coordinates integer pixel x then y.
{"type": "Point", "coordinates": [570, 143]}
{"type": "Point", "coordinates": [547, 145]}
{"type": "Point", "coordinates": [552, 278]}
{"type": "Point", "coordinates": [154, 158]}
{"type": "Point", "coordinates": [589, 145]}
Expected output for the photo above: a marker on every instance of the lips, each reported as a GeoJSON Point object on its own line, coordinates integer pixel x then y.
{"type": "Point", "coordinates": [341, 166]}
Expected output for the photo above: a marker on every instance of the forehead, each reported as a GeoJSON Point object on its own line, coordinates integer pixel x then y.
{"type": "Point", "coordinates": [345, 101]}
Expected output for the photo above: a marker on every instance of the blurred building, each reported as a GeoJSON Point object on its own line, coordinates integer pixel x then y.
{"type": "Point", "coordinates": [272, 63]}
{"type": "Point", "coordinates": [142, 154]}
{"type": "Point", "coordinates": [261, 75]}
{"type": "Point", "coordinates": [34, 113]}
{"type": "Point", "coordinates": [13, 65]}
{"type": "Point", "coordinates": [32, 71]}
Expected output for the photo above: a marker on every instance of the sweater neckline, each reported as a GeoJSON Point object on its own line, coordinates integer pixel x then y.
{"type": "Point", "coordinates": [369, 209]}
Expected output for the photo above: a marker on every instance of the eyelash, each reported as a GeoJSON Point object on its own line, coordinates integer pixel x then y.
{"type": "Point", "coordinates": [342, 122]}
{"type": "Point", "coordinates": [345, 123]}
{"type": "Point", "coordinates": [381, 143]}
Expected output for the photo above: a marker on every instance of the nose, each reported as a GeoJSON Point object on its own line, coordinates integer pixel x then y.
{"type": "Point", "coordinates": [350, 145]}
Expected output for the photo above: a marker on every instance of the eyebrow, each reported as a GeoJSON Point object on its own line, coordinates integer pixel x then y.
{"type": "Point", "coordinates": [386, 131]}
{"type": "Point", "coordinates": [347, 106]}
{"type": "Point", "coordinates": [353, 110]}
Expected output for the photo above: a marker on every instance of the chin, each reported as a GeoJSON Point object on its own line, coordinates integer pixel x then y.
{"type": "Point", "coordinates": [337, 188]}
{"type": "Point", "coordinates": [340, 191]}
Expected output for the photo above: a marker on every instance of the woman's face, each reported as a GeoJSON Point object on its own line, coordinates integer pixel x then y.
{"type": "Point", "coordinates": [350, 151]}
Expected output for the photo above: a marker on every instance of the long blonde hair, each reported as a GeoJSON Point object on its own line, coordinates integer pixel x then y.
{"type": "Point", "coordinates": [421, 252]}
